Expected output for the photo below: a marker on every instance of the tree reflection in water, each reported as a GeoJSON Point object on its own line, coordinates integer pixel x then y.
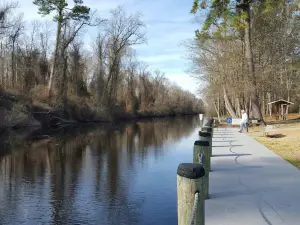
{"type": "Point", "coordinates": [82, 177]}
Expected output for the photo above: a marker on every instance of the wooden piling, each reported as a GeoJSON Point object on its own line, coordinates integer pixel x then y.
{"type": "Point", "coordinates": [190, 182]}
{"type": "Point", "coordinates": [206, 136]}
{"type": "Point", "coordinates": [202, 147]}
{"type": "Point", "coordinates": [209, 122]}
{"type": "Point", "coordinates": [207, 129]}
{"type": "Point", "coordinates": [201, 120]}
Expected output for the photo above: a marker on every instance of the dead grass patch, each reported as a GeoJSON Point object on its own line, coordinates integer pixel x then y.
{"type": "Point", "coordinates": [291, 116]}
{"type": "Point", "coordinates": [284, 141]}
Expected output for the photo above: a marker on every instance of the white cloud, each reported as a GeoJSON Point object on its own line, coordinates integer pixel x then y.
{"type": "Point", "coordinates": [160, 58]}
{"type": "Point", "coordinates": [185, 81]}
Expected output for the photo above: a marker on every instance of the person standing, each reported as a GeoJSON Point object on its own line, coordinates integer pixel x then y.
{"type": "Point", "coordinates": [244, 121]}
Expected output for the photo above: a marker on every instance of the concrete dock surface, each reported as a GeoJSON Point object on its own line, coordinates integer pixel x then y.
{"type": "Point", "coordinates": [249, 184]}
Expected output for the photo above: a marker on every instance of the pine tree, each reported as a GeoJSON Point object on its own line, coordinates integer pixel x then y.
{"type": "Point", "coordinates": [78, 12]}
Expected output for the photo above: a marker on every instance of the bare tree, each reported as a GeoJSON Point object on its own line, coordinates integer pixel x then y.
{"type": "Point", "coordinates": [110, 83]}
{"type": "Point", "coordinates": [6, 22]}
{"type": "Point", "coordinates": [15, 33]}
{"type": "Point", "coordinates": [123, 31]}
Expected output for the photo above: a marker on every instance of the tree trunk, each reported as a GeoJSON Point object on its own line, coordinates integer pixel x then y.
{"type": "Point", "coordinates": [228, 104]}
{"type": "Point", "coordinates": [269, 105]}
{"type": "Point", "coordinates": [238, 107]}
{"type": "Point", "coordinates": [13, 66]}
{"type": "Point", "coordinates": [217, 108]}
{"type": "Point", "coordinates": [64, 82]}
{"type": "Point", "coordinates": [53, 67]}
{"type": "Point", "coordinates": [288, 87]}
{"type": "Point", "coordinates": [247, 104]}
{"type": "Point", "coordinates": [287, 107]}
{"type": "Point", "coordinates": [2, 66]}
{"type": "Point", "coordinates": [263, 109]}
{"type": "Point", "coordinates": [7, 74]}
{"type": "Point", "coordinates": [251, 68]}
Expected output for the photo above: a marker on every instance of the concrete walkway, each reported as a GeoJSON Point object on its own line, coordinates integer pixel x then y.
{"type": "Point", "coordinates": [249, 184]}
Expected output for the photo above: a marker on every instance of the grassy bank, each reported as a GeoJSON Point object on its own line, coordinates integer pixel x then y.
{"type": "Point", "coordinates": [284, 140]}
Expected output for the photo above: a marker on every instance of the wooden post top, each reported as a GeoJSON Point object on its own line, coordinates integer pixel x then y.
{"type": "Point", "coordinates": [204, 134]}
{"type": "Point", "coordinates": [208, 129]}
{"type": "Point", "coordinates": [190, 170]}
{"type": "Point", "coordinates": [201, 143]}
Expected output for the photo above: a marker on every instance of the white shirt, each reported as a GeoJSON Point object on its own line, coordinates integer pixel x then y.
{"type": "Point", "coordinates": [244, 118]}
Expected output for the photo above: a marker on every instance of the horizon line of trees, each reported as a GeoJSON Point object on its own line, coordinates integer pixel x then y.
{"type": "Point", "coordinates": [48, 61]}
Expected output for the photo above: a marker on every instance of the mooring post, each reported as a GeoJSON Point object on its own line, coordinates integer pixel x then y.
{"type": "Point", "coordinates": [190, 198]}
{"type": "Point", "coordinates": [212, 126]}
{"type": "Point", "coordinates": [207, 129]}
{"type": "Point", "coordinates": [208, 126]}
{"type": "Point", "coordinates": [209, 122]}
{"type": "Point", "coordinates": [202, 156]}
{"type": "Point", "coordinates": [201, 120]}
{"type": "Point", "coordinates": [206, 136]}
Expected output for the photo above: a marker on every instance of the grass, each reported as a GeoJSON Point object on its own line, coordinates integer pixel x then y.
{"type": "Point", "coordinates": [284, 140]}
{"type": "Point", "coordinates": [291, 116]}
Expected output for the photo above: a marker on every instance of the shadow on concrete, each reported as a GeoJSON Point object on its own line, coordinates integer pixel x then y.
{"type": "Point", "coordinates": [234, 155]}
{"type": "Point", "coordinates": [229, 146]}
{"type": "Point", "coordinates": [234, 193]}
{"type": "Point", "coordinates": [220, 134]}
{"type": "Point", "coordinates": [271, 182]}
{"type": "Point", "coordinates": [223, 132]}
{"type": "Point", "coordinates": [237, 169]}
{"type": "Point", "coordinates": [224, 137]}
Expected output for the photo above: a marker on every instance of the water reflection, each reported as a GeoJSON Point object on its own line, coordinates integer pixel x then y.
{"type": "Point", "coordinates": [83, 178]}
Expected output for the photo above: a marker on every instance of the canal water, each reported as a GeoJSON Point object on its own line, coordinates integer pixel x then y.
{"type": "Point", "coordinates": [117, 175]}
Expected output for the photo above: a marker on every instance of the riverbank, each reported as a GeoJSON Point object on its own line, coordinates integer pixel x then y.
{"type": "Point", "coordinates": [22, 111]}
{"type": "Point", "coordinates": [14, 140]}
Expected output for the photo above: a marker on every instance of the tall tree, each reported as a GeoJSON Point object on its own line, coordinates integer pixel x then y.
{"type": "Point", "coordinates": [222, 17]}
{"type": "Point", "coordinates": [125, 83]}
{"type": "Point", "coordinates": [15, 33]}
{"type": "Point", "coordinates": [123, 31]}
{"type": "Point", "coordinates": [78, 12]}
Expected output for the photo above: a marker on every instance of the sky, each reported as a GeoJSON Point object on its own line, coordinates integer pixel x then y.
{"type": "Point", "coordinates": [168, 24]}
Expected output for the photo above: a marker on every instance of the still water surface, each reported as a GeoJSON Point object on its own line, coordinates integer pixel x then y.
{"type": "Point", "coordinates": [115, 176]}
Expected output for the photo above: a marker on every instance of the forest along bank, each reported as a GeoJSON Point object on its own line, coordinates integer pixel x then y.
{"type": "Point", "coordinates": [73, 83]}
{"type": "Point", "coordinates": [117, 175]}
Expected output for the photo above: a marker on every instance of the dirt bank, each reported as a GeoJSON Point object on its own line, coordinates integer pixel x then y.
{"type": "Point", "coordinates": [20, 111]}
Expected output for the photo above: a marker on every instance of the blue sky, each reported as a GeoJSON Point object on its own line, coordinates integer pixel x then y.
{"type": "Point", "coordinates": [168, 24]}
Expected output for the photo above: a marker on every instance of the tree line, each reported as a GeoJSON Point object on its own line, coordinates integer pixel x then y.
{"type": "Point", "coordinates": [48, 61]}
{"type": "Point", "coordinates": [247, 54]}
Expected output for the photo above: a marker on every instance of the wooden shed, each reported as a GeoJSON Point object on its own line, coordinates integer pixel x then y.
{"type": "Point", "coordinates": [280, 108]}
